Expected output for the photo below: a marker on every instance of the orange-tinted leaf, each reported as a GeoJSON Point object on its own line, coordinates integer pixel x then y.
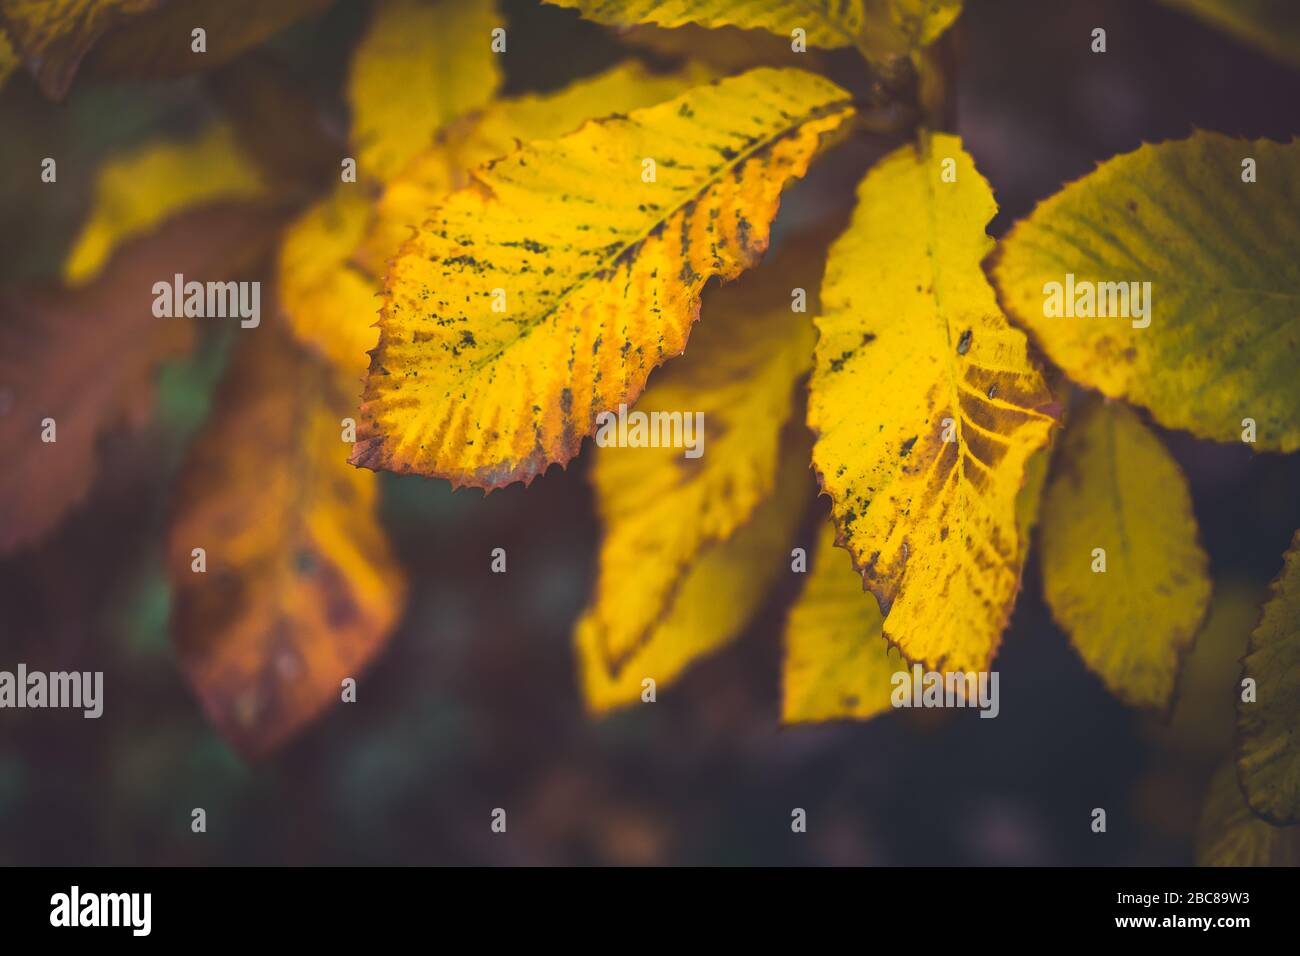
{"type": "Point", "coordinates": [86, 358]}
{"type": "Point", "coordinates": [300, 589]}
{"type": "Point", "coordinates": [278, 124]}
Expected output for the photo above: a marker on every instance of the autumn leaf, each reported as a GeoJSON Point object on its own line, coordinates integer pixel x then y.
{"type": "Point", "coordinates": [300, 589]}
{"type": "Point", "coordinates": [498, 129]}
{"type": "Point", "coordinates": [1117, 489]}
{"type": "Point", "coordinates": [877, 27]}
{"type": "Point", "coordinates": [1269, 25]}
{"type": "Point", "coordinates": [724, 49]}
{"type": "Point", "coordinates": [1230, 835]}
{"type": "Point", "coordinates": [86, 359]}
{"type": "Point", "coordinates": [837, 661]}
{"type": "Point", "coordinates": [715, 599]}
{"type": "Point", "coordinates": [662, 508]}
{"type": "Point", "coordinates": [137, 190]}
{"type": "Point", "coordinates": [421, 64]}
{"type": "Point", "coordinates": [159, 44]}
{"type": "Point", "coordinates": [1268, 759]}
{"type": "Point", "coordinates": [546, 291]}
{"type": "Point", "coordinates": [1221, 344]}
{"type": "Point", "coordinates": [52, 36]}
{"type": "Point", "coordinates": [1199, 728]}
{"type": "Point", "coordinates": [926, 407]}
{"type": "Point", "coordinates": [330, 303]}
{"type": "Point", "coordinates": [334, 253]}
{"type": "Point", "coordinates": [278, 123]}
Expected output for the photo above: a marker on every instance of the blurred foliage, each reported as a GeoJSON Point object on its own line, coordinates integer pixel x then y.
{"type": "Point", "coordinates": [477, 704]}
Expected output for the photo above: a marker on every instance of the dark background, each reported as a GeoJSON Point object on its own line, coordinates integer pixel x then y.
{"type": "Point", "coordinates": [474, 705]}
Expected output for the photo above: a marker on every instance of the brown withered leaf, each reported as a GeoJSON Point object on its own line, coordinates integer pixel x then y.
{"type": "Point", "coordinates": [86, 358]}
{"type": "Point", "coordinates": [300, 589]}
{"type": "Point", "coordinates": [52, 36]}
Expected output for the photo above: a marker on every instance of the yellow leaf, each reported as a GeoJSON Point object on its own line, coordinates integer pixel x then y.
{"type": "Point", "coordinates": [421, 64]}
{"type": "Point", "coordinates": [138, 190]}
{"type": "Point", "coordinates": [1268, 729]}
{"type": "Point", "coordinates": [546, 291]}
{"type": "Point", "coordinates": [926, 407]}
{"type": "Point", "coordinates": [661, 509]}
{"type": "Point", "coordinates": [837, 662]}
{"type": "Point", "coordinates": [160, 44]}
{"type": "Point", "coordinates": [1217, 345]}
{"type": "Point", "coordinates": [875, 26]}
{"type": "Point", "coordinates": [1117, 489]}
{"type": "Point", "coordinates": [53, 35]}
{"type": "Point", "coordinates": [1269, 25]}
{"type": "Point", "coordinates": [1230, 835]}
{"type": "Point", "coordinates": [300, 589]}
{"type": "Point", "coordinates": [718, 596]}
{"type": "Point", "coordinates": [499, 129]}
{"type": "Point", "coordinates": [330, 303]}
{"type": "Point", "coordinates": [897, 27]}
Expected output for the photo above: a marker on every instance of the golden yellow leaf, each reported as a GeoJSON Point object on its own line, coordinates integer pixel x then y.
{"type": "Point", "coordinates": [421, 64]}
{"type": "Point", "coordinates": [137, 190]}
{"type": "Point", "coordinates": [1117, 489]}
{"type": "Point", "coordinates": [497, 130]}
{"type": "Point", "coordinates": [897, 27]}
{"type": "Point", "coordinates": [837, 661]}
{"type": "Point", "coordinates": [725, 49]}
{"type": "Point", "coordinates": [52, 36]}
{"type": "Point", "coordinates": [1230, 835]}
{"type": "Point", "coordinates": [86, 359]}
{"type": "Point", "coordinates": [715, 600]}
{"type": "Point", "coordinates": [300, 589]}
{"type": "Point", "coordinates": [546, 291]}
{"type": "Point", "coordinates": [926, 407]}
{"type": "Point", "coordinates": [662, 509]}
{"type": "Point", "coordinates": [277, 122]}
{"type": "Point", "coordinates": [1215, 340]}
{"type": "Point", "coordinates": [1269, 25]}
{"type": "Point", "coordinates": [875, 26]}
{"type": "Point", "coordinates": [330, 303]}
{"type": "Point", "coordinates": [1268, 728]}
